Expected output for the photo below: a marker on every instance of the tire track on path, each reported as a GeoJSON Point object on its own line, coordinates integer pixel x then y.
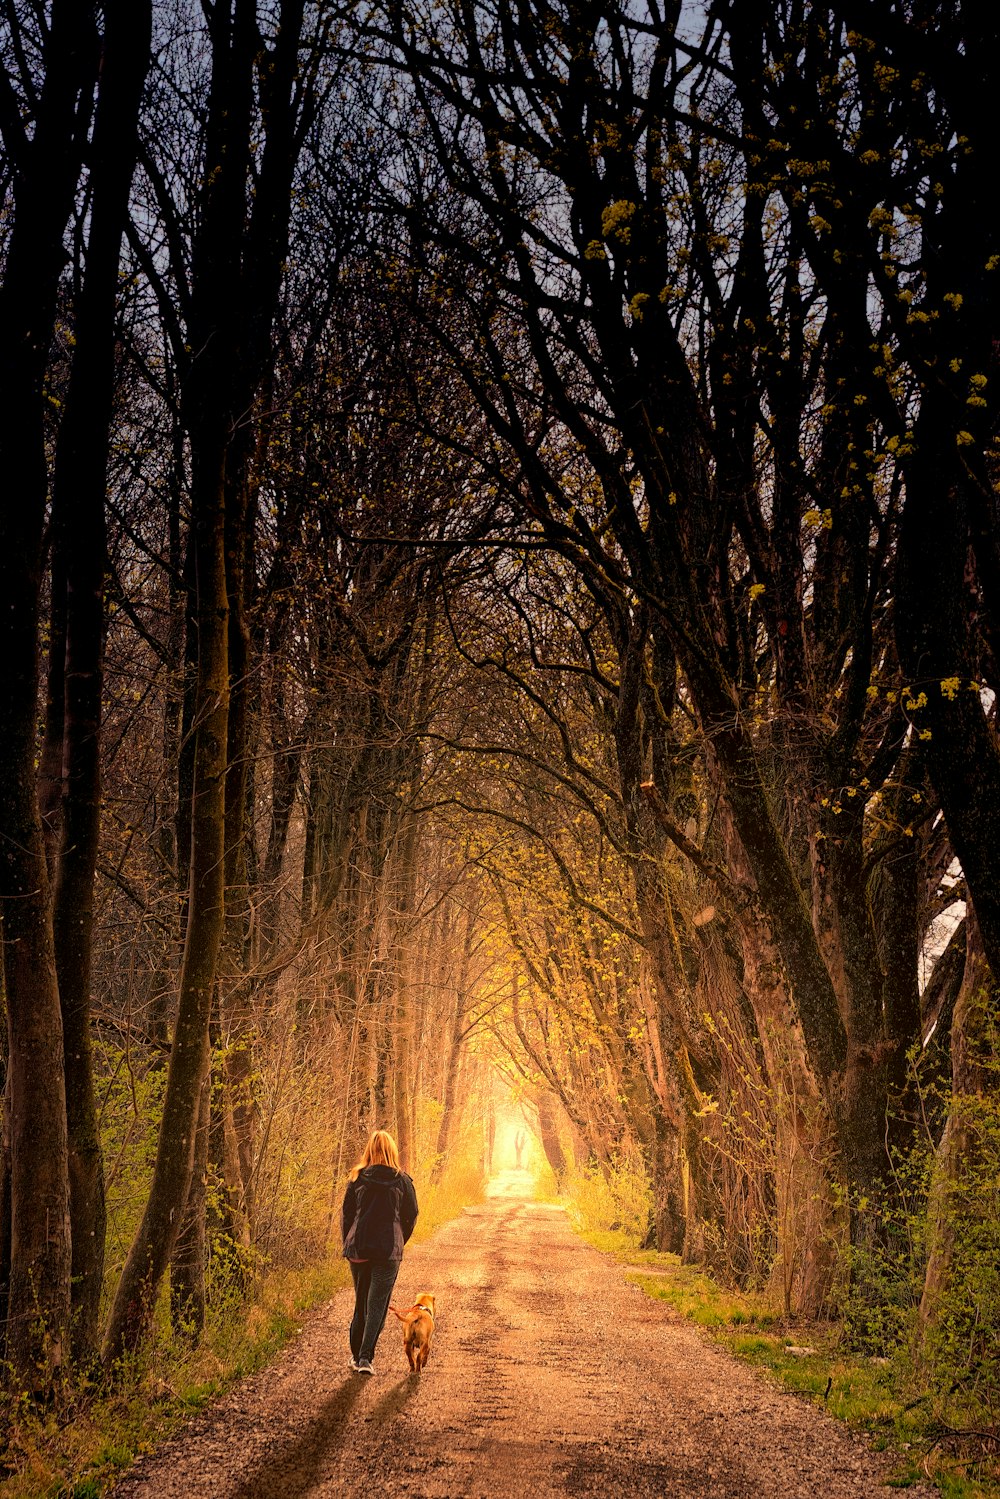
{"type": "Point", "coordinates": [549, 1375]}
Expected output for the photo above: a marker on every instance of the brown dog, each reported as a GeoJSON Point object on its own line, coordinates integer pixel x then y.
{"type": "Point", "coordinates": [418, 1329]}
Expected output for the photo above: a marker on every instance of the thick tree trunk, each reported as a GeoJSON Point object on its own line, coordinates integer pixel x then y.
{"type": "Point", "coordinates": [667, 1103]}
{"type": "Point", "coordinates": [79, 500]}
{"type": "Point", "coordinates": [840, 1012]}
{"type": "Point", "coordinates": [805, 1160]}
{"type": "Point", "coordinates": [39, 1300]}
{"type": "Point", "coordinates": [188, 1263]}
{"type": "Point", "coordinates": [235, 281]}
{"type": "Point", "coordinates": [893, 894]}
{"type": "Point", "coordinates": [640, 725]}
{"type": "Point", "coordinates": [49, 166]}
{"type": "Point", "coordinates": [669, 1208]}
{"type": "Point", "coordinates": [50, 756]}
{"type": "Point", "coordinates": [132, 1310]}
{"type": "Point", "coordinates": [5, 1224]}
{"type": "Point", "coordinates": [237, 990]}
{"type": "Point", "coordinates": [805, 1148]}
{"type": "Point", "coordinates": [548, 1133]}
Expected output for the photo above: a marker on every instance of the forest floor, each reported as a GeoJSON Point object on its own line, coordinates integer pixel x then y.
{"type": "Point", "coordinates": [550, 1374]}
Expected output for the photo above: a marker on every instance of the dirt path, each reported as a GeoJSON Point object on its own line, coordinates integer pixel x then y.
{"type": "Point", "coordinates": [549, 1375]}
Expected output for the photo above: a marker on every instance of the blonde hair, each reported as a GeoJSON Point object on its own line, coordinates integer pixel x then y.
{"type": "Point", "coordinates": [381, 1150]}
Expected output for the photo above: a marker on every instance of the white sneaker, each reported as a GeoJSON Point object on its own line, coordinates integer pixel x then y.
{"type": "Point", "coordinates": [353, 1364]}
{"type": "Point", "coordinates": [365, 1366]}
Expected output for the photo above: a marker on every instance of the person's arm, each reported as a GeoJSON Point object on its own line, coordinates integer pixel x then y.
{"type": "Point", "coordinates": [347, 1211]}
{"type": "Point", "coordinates": [408, 1208]}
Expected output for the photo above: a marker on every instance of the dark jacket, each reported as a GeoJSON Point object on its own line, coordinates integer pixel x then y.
{"type": "Point", "coordinates": [380, 1209]}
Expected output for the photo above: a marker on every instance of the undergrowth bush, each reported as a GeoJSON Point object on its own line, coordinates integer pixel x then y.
{"type": "Point", "coordinates": [882, 1271]}
{"type": "Point", "coordinates": [617, 1199]}
{"type": "Point", "coordinates": [959, 1349]}
{"type": "Point", "coordinates": [922, 1282]}
{"type": "Point", "coordinates": [460, 1185]}
{"type": "Point", "coordinates": [129, 1103]}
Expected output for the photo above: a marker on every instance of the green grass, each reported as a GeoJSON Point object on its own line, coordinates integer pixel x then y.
{"type": "Point", "coordinates": [700, 1300]}
{"type": "Point", "coordinates": [872, 1395]}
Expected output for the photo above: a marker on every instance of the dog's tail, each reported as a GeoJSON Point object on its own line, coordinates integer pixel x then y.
{"type": "Point", "coordinates": [400, 1315]}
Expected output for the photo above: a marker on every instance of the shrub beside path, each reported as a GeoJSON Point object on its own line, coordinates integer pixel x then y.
{"type": "Point", "coordinates": [550, 1375]}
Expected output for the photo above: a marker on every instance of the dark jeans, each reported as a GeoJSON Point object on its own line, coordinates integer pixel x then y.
{"type": "Point", "coordinates": [373, 1283]}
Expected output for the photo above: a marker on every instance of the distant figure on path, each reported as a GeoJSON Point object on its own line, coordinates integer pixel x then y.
{"type": "Point", "coordinates": [520, 1140]}
{"type": "Point", "coordinates": [380, 1209]}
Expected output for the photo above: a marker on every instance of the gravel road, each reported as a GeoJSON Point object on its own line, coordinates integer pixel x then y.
{"type": "Point", "coordinates": [549, 1375]}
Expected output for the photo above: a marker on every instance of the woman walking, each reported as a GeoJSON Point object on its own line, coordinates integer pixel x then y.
{"type": "Point", "coordinates": [380, 1209]}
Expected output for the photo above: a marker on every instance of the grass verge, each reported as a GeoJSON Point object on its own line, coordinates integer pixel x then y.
{"type": "Point", "coordinates": [78, 1448]}
{"type": "Point", "coordinates": [444, 1200]}
{"type": "Point", "coordinates": [876, 1396]}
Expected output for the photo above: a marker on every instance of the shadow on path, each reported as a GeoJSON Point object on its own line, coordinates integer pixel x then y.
{"type": "Point", "coordinates": [391, 1404]}
{"type": "Point", "coordinates": [292, 1470]}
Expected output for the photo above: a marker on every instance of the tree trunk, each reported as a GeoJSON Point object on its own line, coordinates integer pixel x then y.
{"type": "Point", "coordinates": [50, 756]}
{"type": "Point", "coordinates": [39, 1303]}
{"type": "Point", "coordinates": [188, 1263]}
{"type": "Point", "coordinates": [490, 1137]}
{"type": "Point", "coordinates": [226, 1221]}
{"type": "Point", "coordinates": [669, 1214]}
{"type": "Point", "coordinates": [5, 1224]}
{"type": "Point", "coordinates": [237, 989]}
{"type": "Point", "coordinates": [893, 894]}
{"type": "Point", "coordinates": [453, 1053]}
{"type": "Point", "coordinates": [404, 1089]}
{"type": "Point", "coordinates": [79, 525]}
{"type": "Point", "coordinates": [135, 1298]}
{"type": "Point", "coordinates": [804, 1144]}
{"type": "Point", "coordinates": [238, 1096]}
{"type": "Point", "coordinates": [932, 614]}
{"type": "Point", "coordinates": [449, 1094]}
{"type": "Point", "coordinates": [548, 1132]}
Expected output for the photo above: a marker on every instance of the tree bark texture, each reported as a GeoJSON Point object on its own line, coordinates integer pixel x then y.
{"type": "Point", "coordinates": [46, 172]}
{"type": "Point", "coordinates": [188, 1263]}
{"type": "Point", "coordinates": [805, 1149]}
{"type": "Point", "coordinates": [548, 1131]}
{"type": "Point", "coordinates": [449, 1095]}
{"type": "Point", "coordinates": [5, 1225]}
{"type": "Point", "coordinates": [80, 541]}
